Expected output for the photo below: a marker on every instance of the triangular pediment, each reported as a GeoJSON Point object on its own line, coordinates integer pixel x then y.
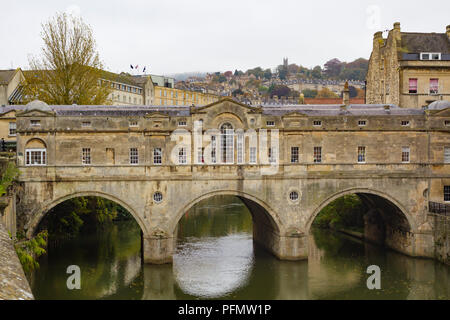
{"type": "Point", "coordinates": [295, 114]}
{"type": "Point", "coordinates": [440, 113]}
{"type": "Point", "coordinates": [156, 115]}
{"type": "Point", "coordinates": [228, 100]}
{"type": "Point", "coordinates": [35, 113]}
{"type": "Point", "coordinates": [8, 114]}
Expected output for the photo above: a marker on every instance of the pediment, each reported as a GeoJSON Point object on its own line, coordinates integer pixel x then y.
{"type": "Point", "coordinates": [35, 113]}
{"type": "Point", "coordinates": [229, 102]}
{"type": "Point", "coordinates": [440, 113]}
{"type": "Point", "coordinates": [156, 115]}
{"type": "Point", "coordinates": [295, 114]}
{"type": "Point", "coordinates": [8, 114]}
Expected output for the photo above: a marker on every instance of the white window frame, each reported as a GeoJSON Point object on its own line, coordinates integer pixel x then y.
{"type": "Point", "coordinates": [182, 123]}
{"type": "Point", "coordinates": [406, 151]}
{"type": "Point", "coordinates": [252, 155]}
{"type": "Point", "coordinates": [134, 156]}
{"type": "Point", "coordinates": [317, 123]}
{"type": "Point", "coordinates": [86, 124]}
{"type": "Point", "coordinates": [362, 154]}
{"type": "Point", "coordinates": [272, 154]}
{"type": "Point", "coordinates": [86, 158]}
{"type": "Point", "coordinates": [405, 123]}
{"type": "Point", "coordinates": [12, 126]}
{"type": "Point", "coordinates": [446, 154]}
{"type": "Point", "coordinates": [362, 123]}
{"type": "Point", "coordinates": [182, 155]}
{"type": "Point", "coordinates": [430, 55]}
{"type": "Point", "coordinates": [295, 156]}
{"type": "Point", "coordinates": [35, 123]}
{"type": "Point", "coordinates": [157, 156]}
{"type": "Point", "coordinates": [240, 147]}
{"type": "Point", "coordinates": [43, 157]}
{"type": "Point", "coordinates": [270, 123]}
{"type": "Point", "coordinates": [133, 124]}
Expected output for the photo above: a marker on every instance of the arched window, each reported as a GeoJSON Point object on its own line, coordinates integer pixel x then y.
{"type": "Point", "coordinates": [35, 153]}
{"type": "Point", "coordinates": [227, 143]}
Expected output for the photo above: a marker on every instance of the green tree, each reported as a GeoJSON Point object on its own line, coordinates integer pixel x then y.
{"type": "Point", "coordinates": [69, 68]}
{"type": "Point", "coordinates": [308, 93]}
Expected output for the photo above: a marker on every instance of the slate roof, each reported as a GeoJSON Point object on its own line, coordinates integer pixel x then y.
{"type": "Point", "coordinates": [6, 76]}
{"type": "Point", "coordinates": [415, 42]}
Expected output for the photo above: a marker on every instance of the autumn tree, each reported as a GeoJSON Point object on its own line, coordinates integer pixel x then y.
{"type": "Point", "coordinates": [69, 69]}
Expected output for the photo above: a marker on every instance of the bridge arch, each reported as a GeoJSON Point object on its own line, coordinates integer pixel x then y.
{"type": "Point", "coordinates": [247, 198]}
{"type": "Point", "coordinates": [361, 191]}
{"type": "Point", "coordinates": [45, 208]}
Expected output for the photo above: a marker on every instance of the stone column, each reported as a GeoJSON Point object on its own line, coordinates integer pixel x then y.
{"type": "Point", "coordinates": [158, 248]}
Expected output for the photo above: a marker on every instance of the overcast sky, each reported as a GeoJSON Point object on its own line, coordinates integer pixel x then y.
{"type": "Point", "coordinates": [199, 35]}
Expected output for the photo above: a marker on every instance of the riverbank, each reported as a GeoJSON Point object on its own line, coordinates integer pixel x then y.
{"type": "Point", "coordinates": [13, 284]}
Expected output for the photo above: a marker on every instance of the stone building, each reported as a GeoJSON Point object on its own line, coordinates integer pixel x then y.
{"type": "Point", "coordinates": [285, 162]}
{"type": "Point", "coordinates": [409, 69]}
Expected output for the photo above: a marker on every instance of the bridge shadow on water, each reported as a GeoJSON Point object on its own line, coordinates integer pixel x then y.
{"type": "Point", "coordinates": [216, 258]}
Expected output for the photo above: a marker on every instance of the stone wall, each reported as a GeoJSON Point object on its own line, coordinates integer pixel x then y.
{"type": "Point", "coordinates": [13, 283]}
{"type": "Point", "coordinates": [442, 238]}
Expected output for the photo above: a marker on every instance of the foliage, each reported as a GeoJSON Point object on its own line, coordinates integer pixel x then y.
{"type": "Point", "coordinates": [237, 92]}
{"type": "Point", "coordinates": [308, 93]}
{"type": "Point", "coordinates": [29, 250]}
{"type": "Point", "coordinates": [69, 218]}
{"type": "Point", "coordinates": [279, 91]}
{"type": "Point", "coordinates": [344, 212]}
{"type": "Point", "coordinates": [69, 69]}
{"type": "Point", "coordinates": [10, 174]}
{"type": "Point", "coordinates": [326, 93]}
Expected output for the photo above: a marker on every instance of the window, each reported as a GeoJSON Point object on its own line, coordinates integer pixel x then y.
{"type": "Point", "coordinates": [317, 123]}
{"type": "Point", "coordinates": [134, 156]}
{"type": "Point", "coordinates": [412, 85]}
{"type": "Point", "coordinates": [430, 56]}
{"type": "Point", "coordinates": [446, 154]}
{"type": "Point", "coordinates": [447, 123]}
{"type": "Point", "coordinates": [240, 148]}
{"type": "Point", "coordinates": [361, 154]}
{"type": "Point", "coordinates": [200, 158]}
{"type": "Point", "coordinates": [35, 123]}
{"type": "Point", "coordinates": [157, 197]}
{"type": "Point", "coordinates": [272, 155]}
{"type": "Point", "coordinates": [157, 156]}
{"type": "Point", "coordinates": [405, 154]}
{"type": "Point", "coordinates": [362, 123]}
{"type": "Point", "coordinates": [405, 123]}
{"type": "Point", "coordinates": [270, 123]}
{"type": "Point", "coordinates": [293, 195]}
{"type": "Point", "coordinates": [213, 149]}
{"type": "Point", "coordinates": [227, 143]}
{"type": "Point", "coordinates": [182, 157]}
{"type": "Point", "coordinates": [434, 86]}
{"type": "Point", "coordinates": [446, 193]}
{"type": "Point", "coordinates": [86, 156]}
{"type": "Point", "coordinates": [317, 154]}
{"type": "Point", "coordinates": [85, 124]}
{"type": "Point", "coordinates": [294, 154]}
{"type": "Point", "coordinates": [134, 124]}
{"type": "Point", "coordinates": [252, 155]}
{"type": "Point", "coordinates": [182, 123]}
{"type": "Point", "coordinates": [12, 129]}
{"type": "Point", "coordinates": [35, 157]}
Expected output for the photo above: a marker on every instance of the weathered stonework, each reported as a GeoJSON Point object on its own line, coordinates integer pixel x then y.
{"type": "Point", "coordinates": [399, 191]}
{"type": "Point", "coordinates": [13, 283]}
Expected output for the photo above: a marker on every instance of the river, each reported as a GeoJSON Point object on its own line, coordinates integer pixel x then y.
{"type": "Point", "coordinates": [216, 259]}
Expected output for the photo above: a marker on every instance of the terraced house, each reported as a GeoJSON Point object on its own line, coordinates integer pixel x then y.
{"type": "Point", "coordinates": [409, 69]}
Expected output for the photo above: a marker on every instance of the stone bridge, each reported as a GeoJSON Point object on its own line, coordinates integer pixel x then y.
{"type": "Point", "coordinates": [286, 163]}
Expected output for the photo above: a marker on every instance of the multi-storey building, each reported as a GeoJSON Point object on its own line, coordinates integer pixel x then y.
{"type": "Point", "coordinates": [409, 69]}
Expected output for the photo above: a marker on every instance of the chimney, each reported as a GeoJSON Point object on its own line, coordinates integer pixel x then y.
{"type": "Point", "coordinates": [396, 31]}
{"type": "Point", "coordinates": [346, 94]}
{"type": "Point", "coordinates": [448, 31]}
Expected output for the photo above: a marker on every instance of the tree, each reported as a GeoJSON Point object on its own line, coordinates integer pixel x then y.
{"type": "Point", "coordinates": [69, 69]}
{"type": "Point", "coordinates": [279, 91]}
{"type": "Point", "coordinates": [316, 73]}
{"type": "Point", "coordinates": [333, 68]}
{"type": "Point", "coordinates": [326, 93]}
{"type": "Point", "coordinates": [308, 93]}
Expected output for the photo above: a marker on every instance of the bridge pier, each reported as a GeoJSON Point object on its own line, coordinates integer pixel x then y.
{"type": "Point", "coordinates": [158, 249]}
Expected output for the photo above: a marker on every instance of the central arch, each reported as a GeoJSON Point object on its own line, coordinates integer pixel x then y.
{"type": "Point", "coordinates": [39, 215]}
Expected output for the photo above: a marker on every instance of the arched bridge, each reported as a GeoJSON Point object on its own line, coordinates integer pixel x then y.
{"type": "Point", "coordinates": [285, 163]}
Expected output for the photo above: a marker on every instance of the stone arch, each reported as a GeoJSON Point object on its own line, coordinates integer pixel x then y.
{"type": "Point", "coordinates": [39, 215]}
{"type": "Point", "coordinates": [35, 143]}
{"type": "Point", "coordinates": [271, 214]}
{"type": "Point", "coordinates": [341, 193]}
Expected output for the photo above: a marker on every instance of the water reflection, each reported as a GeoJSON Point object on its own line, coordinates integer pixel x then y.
{"type": "Point", "coordinates": [216, 258]}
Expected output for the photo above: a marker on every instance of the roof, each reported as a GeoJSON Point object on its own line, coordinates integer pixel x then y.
{"type": "Point", "coordinates": [6, 76]}
{"type": "Point", "coordinates": [121, 78]}
{"type": "Point", "coordinates": [270, 110]}
{"type": "Point", "coordinates": [415, 42]}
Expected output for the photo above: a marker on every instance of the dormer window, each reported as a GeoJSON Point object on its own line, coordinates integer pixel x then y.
{"type": "Point", "coordinates": [362, 123]}
{"type": "Point", "coordinates": [317, 123]}
{"type": "Point", "coordinates": [430, 56]}
{"type": "Point", "coordinates": [182, 123]}
{"type": "Point", "coordinates": [405, 123]}
{"type": "Point", "coordinates": [270, 123]}
{"type": "Point", "coordinates": [134, 124]}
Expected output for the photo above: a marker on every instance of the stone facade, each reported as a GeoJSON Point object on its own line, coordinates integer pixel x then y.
{"type": "Point", "coordinates": [396, 63]}
{"type": "Point", "coordinates": [393, 158]}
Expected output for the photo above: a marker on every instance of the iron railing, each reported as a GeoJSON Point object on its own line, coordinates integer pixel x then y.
{"type": "Point", "coordinates": [439, 208]}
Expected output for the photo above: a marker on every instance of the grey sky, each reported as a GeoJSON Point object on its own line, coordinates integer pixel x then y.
{"type": "Point", "coordinates": [199, 35]}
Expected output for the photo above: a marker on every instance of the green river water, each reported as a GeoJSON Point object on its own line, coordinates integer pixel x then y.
{"type": "Point", "coordinates": [216, 259]}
